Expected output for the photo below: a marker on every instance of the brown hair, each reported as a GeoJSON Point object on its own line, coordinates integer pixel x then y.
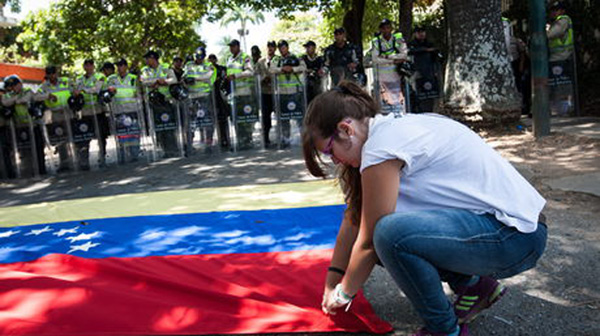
{"type": "Point", "coordinates": [347, 100]}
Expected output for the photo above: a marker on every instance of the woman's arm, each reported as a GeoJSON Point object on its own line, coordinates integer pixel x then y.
{"type": "Point", "coordinates": [380, 185]}
{"type": "Point", "coordinates": [341, 252]}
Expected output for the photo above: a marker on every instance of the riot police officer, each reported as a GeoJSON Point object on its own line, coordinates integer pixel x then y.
{"type": "Point", "coordinates": [127, 116]}
{"type": "Point", "coordinates": [55, 92]}
{"type": "Point", "coordinates": [26, 135]}
{"type": "Point", "coordinates": [220, 88]}
{"type": "Point", "coordinates": [89, 85]}
{"type": "Point", "coordinates": [266, 86]}
{"type": "Point", "coordinates": [314, 71]}
{"type": "Point", "coordinates": [163, 117]}
{"type": "Point", "coordinates": [245, 107]}
{"type": "Point", "coordinates": [199, 76]}
{"type": "Point", "coordinates": [388, 51]}
{"type": "Point", "coordinates": [290, 100]}
{"type": "Point", "coordinates": [342, 58]}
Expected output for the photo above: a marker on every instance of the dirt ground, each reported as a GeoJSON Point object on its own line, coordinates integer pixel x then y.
{"type": "Point", "coordinates": [559, 297]}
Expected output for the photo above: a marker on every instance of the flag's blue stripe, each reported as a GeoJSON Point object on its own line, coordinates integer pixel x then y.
{"type": "Point", "coordinates": [201, 233]}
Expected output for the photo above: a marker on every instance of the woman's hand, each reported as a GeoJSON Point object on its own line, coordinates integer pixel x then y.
{"type": "Point", "coordinates": [329, 304]}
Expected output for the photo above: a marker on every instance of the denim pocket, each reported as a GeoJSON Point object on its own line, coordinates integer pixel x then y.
{"type": "Point", "coordinates": [530, 260]}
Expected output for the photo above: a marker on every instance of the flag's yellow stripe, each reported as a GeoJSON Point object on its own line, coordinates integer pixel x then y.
{"type": "Point", "coordinates": [255, 197]}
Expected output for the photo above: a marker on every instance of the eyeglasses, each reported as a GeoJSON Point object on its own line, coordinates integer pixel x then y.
{"type": "Point", "coordinates": [328, 150]}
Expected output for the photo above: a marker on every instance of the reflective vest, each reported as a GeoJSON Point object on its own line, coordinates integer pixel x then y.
{"type": "Point", "coordinates": [287, 80]}
{"type": "Point", "coordinates": [198, 71]}
{"type": "Point", "coordinates": [387, 48]}
{"type": "Point", "coordinates": [61, 90]}
{"type": "Point", "coordinates": [21, 115]}
{"type": "Point", "coordinates": [84, 82]}
{"type": "Point", "coordinates": [560, 44]}
{"type": "Point", "coordinates": [161, 71]}
{"type": "Point", "coordinates": [126, 88]}
{"type": "Point", "coordinates": [236, 66]}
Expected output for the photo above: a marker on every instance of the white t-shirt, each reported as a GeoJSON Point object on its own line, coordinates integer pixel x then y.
{"type": "Point", "coordinates": [449, 166]}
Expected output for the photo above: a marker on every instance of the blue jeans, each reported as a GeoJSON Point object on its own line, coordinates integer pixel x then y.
{"type": "Point", "coordinates": [422, 249]}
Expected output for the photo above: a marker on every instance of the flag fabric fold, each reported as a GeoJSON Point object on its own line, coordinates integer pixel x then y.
{"type": "Point", "coordinates": [231, 272]}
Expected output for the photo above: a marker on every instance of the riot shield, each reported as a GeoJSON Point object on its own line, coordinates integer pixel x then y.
{"type": "Point", "coordinates": [200, 123]}
{"type": "Point", "coordinates": [164, 125]}
{"type": "Point", "coordinates": [128, 130]}
{"type": "Point", "coordinates": [387, 89]}
{"type": "Point", "coordinates": [245, 113]}
{"type": "Point", "coordinates": [290, 107]}
{"type": "Point", "coordinates": [24, 158]}
{"type": "Point", "coordinates": [60, 150]}
{"type": "Point", "coordinates": [86, 138]}
{"type": "Point", "coordinates": [561, 80]}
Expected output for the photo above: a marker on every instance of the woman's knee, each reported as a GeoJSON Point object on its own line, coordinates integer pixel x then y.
{"type": "Point", "coordinates": [383, 232]}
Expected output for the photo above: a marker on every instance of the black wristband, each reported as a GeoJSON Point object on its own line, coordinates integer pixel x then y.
{"type": "Point", "coordinates": [336, 270]}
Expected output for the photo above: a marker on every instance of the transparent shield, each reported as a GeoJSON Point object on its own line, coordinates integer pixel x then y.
{"type": "Point", "coordinates": [387, 89]}
{"type": "Point", "coordinates": [129, 135]}
{"type": "Point", "coordinates": [561, 80]}
{"type": "Point", "coordinates": [245, 114]}
{"type": "Point", "coordinates": [87, 142]}
{"type": "Point", "coordinates": [25, 153]}
{"type": "Point", "coordinates": [164, 119]}
{"type": "Point", "coordinates": [59, 151]}
{"type": "Point", "coordinates": [290, 107]}
{"type": "Point", "coordinates": [200, 123]}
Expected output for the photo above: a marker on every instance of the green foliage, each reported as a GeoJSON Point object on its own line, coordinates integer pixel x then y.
{"type": "Point", "coordinates": [72, 30]}
{"type": "Point", "coordinates": [243, 15]}
{"type": "Point", "coordinates": [299, 30]}
{"type": "Point", "coordinates": [15, 5]}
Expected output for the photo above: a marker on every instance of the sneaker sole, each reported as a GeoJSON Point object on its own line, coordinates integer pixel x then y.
{"type": "Point", "coordinates": [496, 296]}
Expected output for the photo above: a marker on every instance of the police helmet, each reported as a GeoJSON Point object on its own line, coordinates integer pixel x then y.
{"type": "Point", "coordinates": [105, 96]}
{"type": "Point", "coordinates": [76, 103]}
{"type": "Point", "coordinates": [179, 92]}
{"type": "Point", "coordinates": [157, 98]}
{"type": "Point", "coordinates": [11, 81]}
{"type": "Point", "coordinates": [189, 80]}
{"type": "Point", "coordinates": [200, 53]}
{"type": "Point", "coordinates": [36, 109]}
{"type": "Point", "coordinates": [405, 69]}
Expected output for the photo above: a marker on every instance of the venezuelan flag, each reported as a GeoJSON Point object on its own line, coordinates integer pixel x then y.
{"type": "Point", "coordinates": [238, 260]}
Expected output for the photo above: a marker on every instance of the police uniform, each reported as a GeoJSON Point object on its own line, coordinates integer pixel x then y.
{"type": "Point", "coordinates": [127, 114]}
{"type": "Point", "coordinates": [314, 82]}
{"type": "Point", "coordinates": [337, 60]}
{"type": "Point", "coordinates": [385, 52]}
{"type": "Point", "coordinates": [266, 85]}
{"type": "Point", "coordinates": [201, 107]}
{"type": "Point", "coordinates": [290, 87]}
{"type": "Point", "coordinates": [165, 114]}
{"type": "Point", "coordinates": [245, 102]}
{"type": "Point", "coordinates": [25, 129]}
{"type": "Point", "coordinates": [561, 48]}
{"type": "Point", "coordinates": [58, 118]}
{"type": "Point", "coordinates": [92, 113]}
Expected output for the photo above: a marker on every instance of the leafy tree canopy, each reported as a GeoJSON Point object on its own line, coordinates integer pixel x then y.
{"type": "Point", "coordinates": [72, 30]}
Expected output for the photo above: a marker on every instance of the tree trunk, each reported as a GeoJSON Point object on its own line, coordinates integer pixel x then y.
{"type": "Point", "coordinates": [479, 87]}
{"type": "Point", "coordinates": [353, 21]}
{"type": "Point", "coordinates": [405, 19]}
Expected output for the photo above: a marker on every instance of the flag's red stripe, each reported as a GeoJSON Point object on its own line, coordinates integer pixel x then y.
{"type": "Point", "coordinates": [197, 294]}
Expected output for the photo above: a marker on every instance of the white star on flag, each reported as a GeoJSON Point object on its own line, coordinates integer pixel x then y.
{"type": "Point", "coordinates": [65, 231]}
{"type": "Point", "coordinates": [39, 232]}
{"type": "Point", "coordinates": [85, 247]}
{"type": "Point", "coordinates": [8, 233]}
{"type": "Point", "coordinates": [84, 236]}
